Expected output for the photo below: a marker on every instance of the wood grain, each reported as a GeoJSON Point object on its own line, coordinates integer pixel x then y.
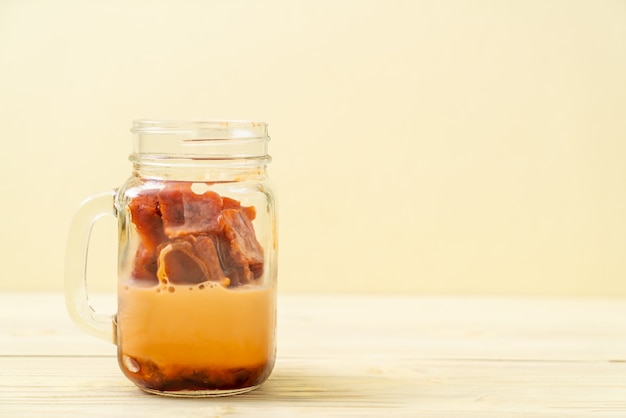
{"type": "Point", "coordinates": [349, 355]}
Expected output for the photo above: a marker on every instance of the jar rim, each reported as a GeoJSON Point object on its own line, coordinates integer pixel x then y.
{"type": "Point", "coordinates": [203, 129]}
{"type": "Point", "coordinates": [200, 139]}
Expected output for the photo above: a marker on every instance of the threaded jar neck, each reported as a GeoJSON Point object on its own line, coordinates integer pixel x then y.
{"type": "Point", "coordinates": [188, 148]}
{"type": "Point", "coordinates": [200, 139]}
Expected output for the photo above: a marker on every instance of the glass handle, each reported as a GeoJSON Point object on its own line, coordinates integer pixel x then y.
{"type": "Point", "coordinates": [76, 294]}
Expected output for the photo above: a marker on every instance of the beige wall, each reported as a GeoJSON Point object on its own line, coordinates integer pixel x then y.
{"type": "Point", "coordinates": [419, 146]}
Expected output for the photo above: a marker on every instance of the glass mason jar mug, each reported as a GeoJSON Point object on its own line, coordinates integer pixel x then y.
{"type": "Point", "coordinates": [197, 259]}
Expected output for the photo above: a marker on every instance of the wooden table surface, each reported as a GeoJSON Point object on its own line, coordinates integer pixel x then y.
{"type": "Point", "coordinates": [348, 355]}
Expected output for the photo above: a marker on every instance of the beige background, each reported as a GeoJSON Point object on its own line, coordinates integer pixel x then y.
{"type": "Point", "coordinates": [419, 146]}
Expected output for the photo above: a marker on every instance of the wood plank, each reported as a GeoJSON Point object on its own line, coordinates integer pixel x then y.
{"type": "Point", "coordinates": [348, 355]}
{"type": "Point", "coordinates": [367, 387]}
{"type": "Point", "coordinates": [428, 327]}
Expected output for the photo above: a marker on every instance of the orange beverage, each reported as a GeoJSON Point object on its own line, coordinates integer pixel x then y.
{"type": "Point", "coordinates": [196, 337]}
